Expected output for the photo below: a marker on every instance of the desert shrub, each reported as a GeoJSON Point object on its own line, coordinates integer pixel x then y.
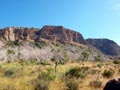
{"type": "Point", "coordinates": [116, 61]}
{"type": "Point", "coordinates": [44, 63]}
{"type": "Point", "coordinates": [40, 44]}
{"type": "Point", "coordinates": [99, 65]}
{"type": "Point", "coordinates": [17, 43]}
{"type": "Point", "coordinates": [10, 43]}
{"type": "Point", "coordinates": [108, 73]}
{"type": "Point", "coordinates": [40, 85]}
{"type": "Point", "coordinates": [85, 55]}
{"type": "Point", "coordinates": [9, 73]}
{"type": "Point", "coordinates": [95, 84]}
{"type": "Point", "coordinates": [43, 80]}
{"type": "Point", "coordinates": [77, 72]}
{"type": "Point", "coordinates": [72, 84]}
{"type": "Point", "coordinates": [98, 58]}
{"type": "Point", "coordinates": [10, 51]}
{"type": "Point", "coordinates": [94, 71]}
{"type": "Point", "coordinates": [48, 75]}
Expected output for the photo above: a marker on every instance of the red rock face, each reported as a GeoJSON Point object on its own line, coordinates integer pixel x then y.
{"type": "Point", "coordinates": [52, 33]}
{"type": "Point", "coordinates": [61, 34]}
{"type": "Point", "coordinates": [14, 34]}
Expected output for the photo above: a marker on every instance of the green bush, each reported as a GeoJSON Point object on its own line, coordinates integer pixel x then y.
{"type": "Point", "coordinates": [46, 75]}
{"type": "Point", "coordinates": [98, 58]}
{"type": "Point", "coordinates": [72, 84]}
{"type": "Point", "coordinates": [99, 65]}
{"type": "Point", "coordinates": [10, 51]}
{"type": "Point", "coordinates": [43, 80]}
{"type": "Point", "coordinates": [13, 43]}
{"type": "Point", "coordinates": [9, 73]}
{"type": "Point", "coordinates": [10, 43]}
{"type": "Point", "coordinates": [108, 73]}
{"type": "Point", "coordinates": [116, 61]}
{"type": "Point", "coordinates": [41, 85]}
{"type": "Point", "coordinates": [96, 84]}
{"type": "Point", "coordinates": [85, 55]}
{"type": "Point", "coordinates": [77, 72]}
{"type": "Point", "coordinates": [16, 43]}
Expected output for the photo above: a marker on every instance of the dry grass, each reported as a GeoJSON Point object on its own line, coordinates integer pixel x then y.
{"type": "Point", "coordinates": [24, 74]}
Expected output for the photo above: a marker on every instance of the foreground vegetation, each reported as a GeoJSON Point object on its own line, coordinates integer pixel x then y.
{"type": "Point", "coordinates": [32, 75]}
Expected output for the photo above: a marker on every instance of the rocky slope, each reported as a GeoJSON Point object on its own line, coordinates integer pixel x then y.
{"type": "Point", "coordinates": [62, 42]}
{"type": "Point", "coordinates": [106, 46]}
{"type": "Point", "coordinates": [52, 33]}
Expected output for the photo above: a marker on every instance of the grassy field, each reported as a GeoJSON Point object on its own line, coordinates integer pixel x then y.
{"type": "Point", "coordinates": [69, 76]}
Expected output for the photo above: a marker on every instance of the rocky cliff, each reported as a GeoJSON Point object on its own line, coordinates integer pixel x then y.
{"type": "Point", "coordinates": [53, 33]}
{"type": "Point", "coordinates": [106, 46]}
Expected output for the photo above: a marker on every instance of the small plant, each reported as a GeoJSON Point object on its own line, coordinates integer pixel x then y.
{"type": "Point", "coordinates": [108, 73]}
{"type": "Point", "coordinates": [43, 80]}
{"type": "Point", "coordinates": [17, 43]}
{"type": "Point", "coordinates": [116, 61]}
{"type": "Point", "coordinates": [9, 73]}
{"type": "Point", "coordinates": [13, 43]}
{"type": "Point", "coordinates": [98, 58]}
{"type": "Point", "coordinates": [41, 85]}
{"type": "Point", "coordinates": [10, 51]}
{"type": "Point", "coordinates": [10, 43]}
{"type": "Point", "coordinates": [96, 84]}
{"type": "Point", "coordinates": [72, 84]}
{"type": "Point", "coordinates": [85, 55]}
{"type": "Point", "coordinates": [99, 65]}
{"type": "Point", "coordinates": [47, 75]}
{"type": "Point", "coordinates": [77, 72]}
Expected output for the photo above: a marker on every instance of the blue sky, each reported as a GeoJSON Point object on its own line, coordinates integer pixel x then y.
{"type": "Point", "coordinates": [92, 18]}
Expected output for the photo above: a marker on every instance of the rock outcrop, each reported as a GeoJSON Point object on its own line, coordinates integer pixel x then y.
{"type": "Point", "coordinates": [106, 46]}
{"type": "Point", "coordinates": [13, 33]}
{"type": "Point", "coordinates": [52, 33]}
{"type": "Point", "coordinates": [61, 34]}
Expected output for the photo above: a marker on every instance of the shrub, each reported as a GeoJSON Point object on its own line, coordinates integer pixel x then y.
{"type": "Point", "coordinates": [85, 55]}
{"type": "Point", "coordinates": [98, 58]}
{"type": "Point", "coordinates": [94, 71]}
{"type": "Point", "coordinates": [10, 51]}
{"type": "Point", "coordinates": [10, 43]}
{"type": "Point", "coordinates": [116, 61]}
{"type": "Point", "coordinates": [96, 84]}
{"type": "Point", "coordinates": [43, 80]}
{"type": "Point", "coordinates": [72, 84]}
{"type": "Point", "coordinates": [17, 43]}
{"type": "Point", "coordinates": [99, 65]}
{"type": "Point", "coordinates": [41, 85]}
{"type": "Point", "coordinates": [77, 72]}
{"type": "Point", "coordinates": [108, 73]}
{"type": "Point", "coordinates": [47, 75]}
{"type": "Point", "coordinates": [9, 73]}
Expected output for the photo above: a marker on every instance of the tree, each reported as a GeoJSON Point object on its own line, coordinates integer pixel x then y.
{"type": "Point", "coordinates": [58, 57]}
{"type": "Point", "coordinates": [85, 55]}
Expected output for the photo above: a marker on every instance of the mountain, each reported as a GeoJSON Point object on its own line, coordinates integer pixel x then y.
{"type": "Point", "coordinates": [52, 33]}
{"type": "Point", "coordinates": [106, 46]}
{"type": "Point", "coordinates": [21, 43]}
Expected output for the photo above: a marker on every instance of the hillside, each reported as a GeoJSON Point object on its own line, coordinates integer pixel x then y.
{"type": "Point", "coordinates": [43, 44]}
{"type": "Point", "coordinates": [106, 46]}
{"type": "Point", "coordinates": [55, 58]}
